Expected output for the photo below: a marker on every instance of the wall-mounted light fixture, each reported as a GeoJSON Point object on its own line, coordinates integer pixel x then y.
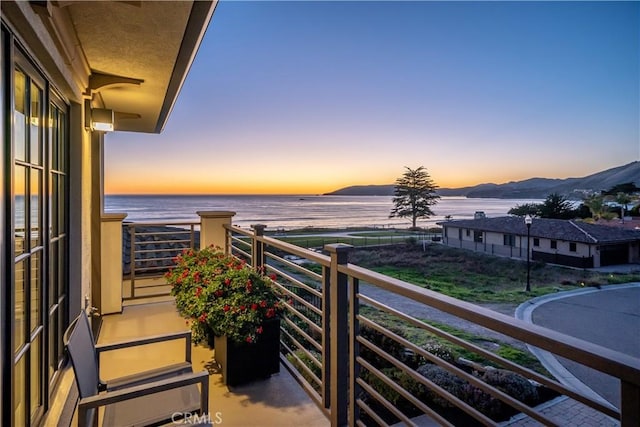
{"type": "Point", "coordinates": [102, 119]}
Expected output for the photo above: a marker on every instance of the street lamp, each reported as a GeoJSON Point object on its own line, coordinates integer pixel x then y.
{"type": "Point", "coordinates": [528, 220]}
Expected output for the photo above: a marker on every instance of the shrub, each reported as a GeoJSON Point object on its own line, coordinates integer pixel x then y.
{"type": "Point", "coordinates": [441, 351]}
{"type": "Point", "coordinates": [512, 384]}
{"type": "Point", "coordinates": [221, 294]}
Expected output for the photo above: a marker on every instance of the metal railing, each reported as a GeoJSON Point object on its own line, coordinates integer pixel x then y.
{"type": "Point", "coordinates": [348, 352]}
{"type": "Point", "coordinates": [150, 251]}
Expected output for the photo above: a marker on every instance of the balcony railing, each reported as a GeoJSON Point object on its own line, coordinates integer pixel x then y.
{"type": "Point", "coordinates": [347, 351]}
{"type": "Point", "coordinates": [150, 250]}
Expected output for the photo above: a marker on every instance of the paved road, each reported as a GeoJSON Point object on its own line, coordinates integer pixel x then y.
{"type": "Point", "coordinates": [609, 317]}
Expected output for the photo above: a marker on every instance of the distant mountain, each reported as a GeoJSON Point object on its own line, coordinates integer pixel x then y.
{"type": "Point", "coordinates": [364, 190]}
{"type": "Point", "coordinates": [533, 188]}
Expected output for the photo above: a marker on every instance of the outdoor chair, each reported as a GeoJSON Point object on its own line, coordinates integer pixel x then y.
{"type": "Point", "coordinates": [152, 397]}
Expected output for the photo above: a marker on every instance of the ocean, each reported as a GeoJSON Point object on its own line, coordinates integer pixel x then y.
{"type": "Point", "coordinates": [290, 212]}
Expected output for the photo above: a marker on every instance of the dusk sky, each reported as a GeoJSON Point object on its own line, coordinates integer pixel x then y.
{"type": "Point", "coordinates": [306, 97]}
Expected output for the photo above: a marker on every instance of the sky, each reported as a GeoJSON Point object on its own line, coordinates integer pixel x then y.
{"type": "Point", "coordinates": [302, 97]}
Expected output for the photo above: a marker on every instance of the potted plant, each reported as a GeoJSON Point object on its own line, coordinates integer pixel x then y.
{"type": "Point", "coordinates": [221, 295]}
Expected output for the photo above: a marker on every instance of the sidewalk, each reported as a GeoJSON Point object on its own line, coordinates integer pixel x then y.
{"type": "Point", "coordinates": [566, 412]}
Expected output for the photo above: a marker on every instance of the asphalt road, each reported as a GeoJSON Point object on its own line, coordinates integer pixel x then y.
{"type": "Point", "coordinates": [610, 318]}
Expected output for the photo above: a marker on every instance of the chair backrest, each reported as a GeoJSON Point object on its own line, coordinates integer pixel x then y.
{"type": "Point", "coordinates": [78, 340]}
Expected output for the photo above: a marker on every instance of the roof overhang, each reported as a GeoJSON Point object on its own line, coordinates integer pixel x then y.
{"type": "Point", "coordinates": [137, 53]}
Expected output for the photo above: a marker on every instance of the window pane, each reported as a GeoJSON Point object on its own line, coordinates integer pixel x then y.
{"type": "Point", "coordinates": [62, 268]}
{"type": "Point", "coordinates": [54, 273]}
{"type": "Point", "coordinates": [53, 136]}
{"type": "Point", "coordinates": [36, 207]}
{"type": "Point", "coordinates": [19, 214]}
{"type": "Point", "coordinates": [35, 124]}
{"type": "Point", "coordinates": [19, 393]}
{"type": "Point", "coordinates": [53, 343]}
{"type": "Point", "coordinates": [20, 115]}
{"type": "Point", "coordinates": [62, 213]}
{"type": "Point", "coordinates": [20, 289]}
{"type": "Point", "coordinates": [54, 205]}
{"type": "Point", "coordinates": [36, 372]}
{"type": "Point", "coordinates": [35, 297]}
{"type": "Point", "coordinates": [62, 141]}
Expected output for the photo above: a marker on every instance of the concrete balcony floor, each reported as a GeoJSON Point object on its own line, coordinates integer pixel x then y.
{"type": "Point", "coordinates": [277, 401]}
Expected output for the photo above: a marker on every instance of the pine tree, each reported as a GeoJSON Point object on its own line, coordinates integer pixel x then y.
{"type": "Point", "coordinates": [414, 194]}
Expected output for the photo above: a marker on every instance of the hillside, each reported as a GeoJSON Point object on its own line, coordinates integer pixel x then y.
{"type": "Point", "coordinates": [533, 188]}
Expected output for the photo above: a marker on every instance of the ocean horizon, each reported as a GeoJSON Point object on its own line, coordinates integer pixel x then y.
{"type": "Point", "coordinates": [297, 211]}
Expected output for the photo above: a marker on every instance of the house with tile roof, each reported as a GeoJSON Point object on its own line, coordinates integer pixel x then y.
{"type": "Point", "coordinates": [565, 242]}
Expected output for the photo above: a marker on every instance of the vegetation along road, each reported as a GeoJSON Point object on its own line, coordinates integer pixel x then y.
{"type": "Point", "coordinates": [493, 282]}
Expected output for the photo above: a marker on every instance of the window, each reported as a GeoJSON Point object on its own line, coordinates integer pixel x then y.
{"type": "Point", "coordinates": [477, 236]}
{"type": "Point", "coordinates": [37, 279]}
{"type": "Point", "coordinates": [572, 247]}
{"type": "Point", "coordinates": [554, 244]}
{"type": "Point", "coordinates": [536, 242]}
{"type": "Point", "coordinates": [509, 240]}
{"type": "Point", "coordinates": [468, 232]}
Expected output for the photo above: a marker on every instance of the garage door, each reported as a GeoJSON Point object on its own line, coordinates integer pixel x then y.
{"type": "Point", "coordinates": [614, 254]}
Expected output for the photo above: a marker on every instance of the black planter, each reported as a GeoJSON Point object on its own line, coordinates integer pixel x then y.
{"type": "Point", "coordinates": [242, 363]}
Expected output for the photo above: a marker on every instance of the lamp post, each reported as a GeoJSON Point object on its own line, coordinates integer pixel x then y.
{"type": "Point", "coordinates": [528, 220]}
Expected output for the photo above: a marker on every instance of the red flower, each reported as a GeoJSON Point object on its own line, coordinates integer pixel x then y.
{"type": "Point", "coordinates": [202, 318]}
{"type": "Point", "coordinates": [198, 292]}
{"type": "Point", "coordinates": [273, 276]}
{"type": "Point", "coordinates": [259, 330]}
{"type": "Point", "coordinates": [196, 277]}
{"type": "Point", "coordinates": [249, 339]}
{"type": "Point", "coordinates": [254, 306]}
{"type": "Point", "coordinates": [243, 307]}
{"type": "Point", "coordinates": [219, 293]}
{"type": "Point", "coordinates": [227, 281]}
{"type": "Point", "coordinates": [263, 303]}
{"type": "Point", "coordinates": [270, 313]}
{"type": "Point", "coordinates": [226, 307]}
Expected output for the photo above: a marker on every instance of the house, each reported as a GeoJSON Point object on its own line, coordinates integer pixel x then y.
{"type": "Point", "coordinates": [565, 242]}
{"type": "Point", "coordinates": [70, 71]}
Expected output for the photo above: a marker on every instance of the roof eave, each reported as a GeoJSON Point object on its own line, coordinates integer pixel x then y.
{"type": "Point", "coordinates": [201, 13]}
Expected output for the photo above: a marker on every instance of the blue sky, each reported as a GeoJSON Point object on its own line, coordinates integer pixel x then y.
{"type": "Point", "coordinates": [306, 97]}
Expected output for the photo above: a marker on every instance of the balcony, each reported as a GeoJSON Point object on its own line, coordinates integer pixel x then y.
{"type": "Point", "coordinates": [278, 398]}
{"type": "Point", "coordinates": [345, 361]}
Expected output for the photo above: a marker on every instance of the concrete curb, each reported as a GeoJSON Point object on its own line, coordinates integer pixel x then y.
{"type": "Point", "coordinates": [548, 360]}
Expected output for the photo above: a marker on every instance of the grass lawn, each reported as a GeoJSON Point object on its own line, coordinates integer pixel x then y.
{"type": "Point", "coordinates": [477, 277]}
{"type": "Point", "coordinates": [428, 340]}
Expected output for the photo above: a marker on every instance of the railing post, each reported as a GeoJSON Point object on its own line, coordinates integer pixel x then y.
{"type": "Point", "coordinates": [212, 231]}
{"type": "Point", "coordinates": [629, 404]}
{"type": "Point", "coordinates": [132, 259]}
{"type": "Point", "coordinates": [354, 350]}
{"type": "Point", "coordinates": [111, 263]}
{"type": "Point", "coordinates": [336, 325]}
{"type": "Point", "coordinates": [257, 247]}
